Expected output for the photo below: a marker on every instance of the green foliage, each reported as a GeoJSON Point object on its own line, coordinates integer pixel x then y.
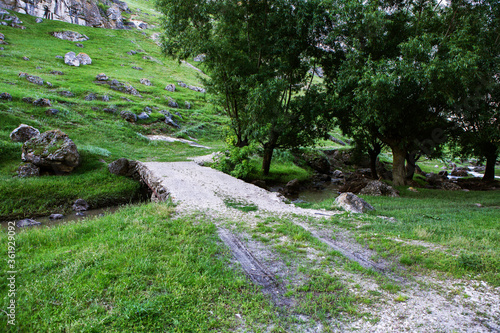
{"type": "Point", "coordinates": [236, 161]}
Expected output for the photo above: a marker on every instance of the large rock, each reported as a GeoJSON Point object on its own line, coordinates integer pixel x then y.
{"type": "Point", "coordinates": [23, 133]}
{"type": "Point", "coordinates": [123, 167]}
{"type": "Point", "coordinates": [84, 59]}
{"type": "Point", "coordinates": [72, 59]}
{"type": "Point", "coordinates": [129, 116]}
{"type": "Point", "coordinates": [42, 102]}
{"type": "Point", "coordinates": [72, 36]}
{"type": "Point", "coordinates": [170, 87]}
{"type": "Point", "coordinates": [52, 151]}
{"type": "Point", "coordinates": [35, 79]}
{"type": "Point", "coordinates": [80, 205]}
{"type": "Point", "coordinates": [378, 188]}
{"type": "Point", "coordinates": [352, 203]}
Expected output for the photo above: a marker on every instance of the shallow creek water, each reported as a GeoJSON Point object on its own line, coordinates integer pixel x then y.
{"type": "Point", "coordinates": [46, 222]}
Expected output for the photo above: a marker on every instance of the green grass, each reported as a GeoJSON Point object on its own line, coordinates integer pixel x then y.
{"type": "Point", "coordinates": [240, 205]}
{"type": "Point", "coordinates": [98, 135]}
{"type": "Point", "coordinates": [136, 270]}
{"type": "Point", "coordinates": [468, 235]}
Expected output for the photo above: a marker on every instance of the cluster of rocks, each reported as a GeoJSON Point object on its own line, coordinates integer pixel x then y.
{"type": "Point", "coordinates": [117, 85]}
{"type": "Point", "coordinates": [194, 88]}
{"type": "Point", "coordinates": [79, 206]}
{"type": "Point", "coordinates": [71, 36]}
{"type": "Point", "coordinates": [52, 151]}
{"type": "Point", "coordinates": [34, 79]}
{"type": "Point", "coordinates": [8, 19]}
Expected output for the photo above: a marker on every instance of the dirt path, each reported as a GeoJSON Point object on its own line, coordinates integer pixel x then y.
{"type": "Point", "coordinates": [422, 304]}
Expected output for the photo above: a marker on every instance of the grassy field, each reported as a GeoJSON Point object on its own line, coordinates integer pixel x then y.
{"type": "Point", "coordinates": [99, 135]}
{"type": "Point", "coordinates": [464, 226]}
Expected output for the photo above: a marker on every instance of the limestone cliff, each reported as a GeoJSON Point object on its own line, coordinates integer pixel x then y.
{"type": "Point", "coordinates": [94, 13]}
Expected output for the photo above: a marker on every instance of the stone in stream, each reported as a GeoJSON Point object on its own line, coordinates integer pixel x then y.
{"type": "Point", "coordinates": [80, 205]}
{"type": "Point", "coordinates": [27, 223]}
{"type": "Point", "coordinates": [56, 216]}
{"type": "Point", "coordinates": [352, 203]}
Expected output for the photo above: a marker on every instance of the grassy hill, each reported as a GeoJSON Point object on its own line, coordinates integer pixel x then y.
{"type": "Point", "coordinates": [100, 136]}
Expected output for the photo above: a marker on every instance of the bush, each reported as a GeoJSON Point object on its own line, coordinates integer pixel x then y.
{"type": "Point", "coordinates": [236, 161]}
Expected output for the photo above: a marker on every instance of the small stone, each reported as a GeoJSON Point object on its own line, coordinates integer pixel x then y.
{"type": "Point", "coordinates": [28, 170]}
{"type": "Point", "coordinates": [138, 68]}
{"type": "Point", "coordinates": [128, 116]}
{"type": "Point", "coordinates": [101, 77]}
{"type": "Point", "coordinates": [145, 82]}
{"type": "Point", "coordinates": [91, 97]}
{"type": "Point", "coordinates": [56, 73]}
{"type": "Point", "coordinates": [5, 96]}
{"type": "Point", "coordinates": [105, 98]}
{"type": "Point", "coordinates": [143, 116]}
{"type": "Point", "coordinates": [28, 100]}
{"type": "Point", "coordinates": [34, 79]}
{"type": "Point", "coordinates": [42, 102]}
{"type": "Point", "coordinates": [66, 93]}
{"type": "Point", "coordinates": [172, 103]}
{"type": "Point", "coordinates": [80, 205]}
{"type": "Point", "coordinates": [38, 20]}
{"type": "Point", "coordinates": [79, 45]}
{"type": "Point", "coordinates": [170, 87]}
{"type": "Point", "coordinates": [56, 216]}
{"type": "Point", "coordinates": [26, 58]}
{"type": "Point", "coordinates": [131, 52]}
{"type": "Point", "coordinates": [51, 112]}
{"type": "Point", "coordinates": [187, 105]}
{"type": "Point", "coordinates": [59, 57]}
{"type": "Point", "coordinates": [148, 109]}
{"type": "Point", "coordinates": [48, 84]}
{"type": "Point", "coordinates": [80, 214]}
{"type": "Point", "coordinates": [27, 223]}
{"type": "Point", "coordinates": [109, 110]}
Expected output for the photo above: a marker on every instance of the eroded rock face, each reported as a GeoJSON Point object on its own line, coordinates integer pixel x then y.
{"type": "Point", "coordinates": [352, 203]}
{"type": "Point", "coordinates": [23, 133]}
{"type": "Point", "coordinates": [52, 151]}
{"type": "Point", "coordinates": [81, 12]}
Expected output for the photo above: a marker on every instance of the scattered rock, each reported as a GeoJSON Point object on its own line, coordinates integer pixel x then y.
{"type": "Point", "coordinates": [52, 151]}
{"type": "Point", "coordinates": [449, 186]}
{"type": "Point", "coordinates": [2, 36]}
{"type": "Point", "coordinates": [292, 187]}
{"type": "Point", "coordinates": [56, 216]}
{"type": "Point", "coordinates": [56, 73]}
{"type": "Point", "coordinates": [23, 133]}
{"type": "Point", "coordinates": [170, 121]}
{"type": "Point", "coordinates": [145, 82]}
{"type": "Point", "coordinates": [143, 116]}
{"type": "Point", "coordinates": [187, 105]}
{"type": "Point", "coordinates": [28, 170]}
{"type": "Point", "coordinates": [138, 68]}
{"type": "Point", "coordinates": [198, 89]}
{"type": "Point", "coordinates": [118, 86]}
{"type": "Point", "coordinates": [84, 59]}
{"type": "Point", "coordinates": [352, 203]}
{"type": "Point", "coordinates": [28, 100]}
{"type": "Point", "coordinates": [26, 58]}
{"type": "Point", "coordinates": [38, 20]}
{"type": "Point", "coordinates": [172, 103]}
{"type": "Point", "coordinates": [80, 214]}
{"type": "Point", "coordinates": [34, 79]}
{"type": "Point", "coordinates": [66, 93]}
{"type": "Point", "coordinates": [51, 112]}
{"type": "Point", "coordinates": [59, 57]}
{"type": "Point", "coordinates": [110, 110]}
{"type": "Point", "coordinates": [91, 97]}
{"type": "Point", "coordinates": [123, 167]}
{"type": "Point", "coordinates": [72, 59]}
{"type": "Point", "coordinates": [72, 36]}
{"type": "Point", "coordinates": [6, 96]}
{"type": "Point", "coordinates": [131, 52]}
{"type": "Point", "coordinates": [128, 116]}
{"type": "Point", "coordinates": [378, 188]}
{"type": "Point", "coordinates": [101, 77]}
{"type": "Point", "coordinates": [80, 205]}
{"type": "Point", "coordinates": [143, 25]}
{"type": "Point", "coordinates": [105, 98]}
{"type": "Point", "coordinates": [170, 87]}
{"type": "Point", "coordinates": [27, 223]}
{"type": "Point", "coordinates": [148, 109]}
{"type": "Point", "coordinates": [42, 102]}
{"type": "Point", "coordinates": [79, 45]}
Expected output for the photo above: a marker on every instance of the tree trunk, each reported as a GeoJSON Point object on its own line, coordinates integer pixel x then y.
{"type": "Point", "coordinates": [268, 155]}
{"type": "Point", "coordinates": [489, 173]}
{"type": "Point", "coordinates": [411, 160]}
{"type": "Point", "coordinates": [398, 166]}
{"type": "Point", "coordinates": [373, 153]}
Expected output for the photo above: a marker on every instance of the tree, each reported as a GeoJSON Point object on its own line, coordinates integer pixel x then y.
{"type": "Point", "coordinates": [258, 54]}
{"type": "Point", "coordinates": [473, 40]}
{"type": "Point", "coordinates": [383, 67]}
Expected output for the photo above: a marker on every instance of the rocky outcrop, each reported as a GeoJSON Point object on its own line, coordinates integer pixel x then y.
{"type": "Point", "coordinates": [52, 151]}
{"type": "Point", "coordinates": [23, 133]}
{"type": "Point", "coordinates": [93, 13]}
{"type": "Point", "coordinates": [352, 203]}
{"type": "Point", "coordinates": [72, 59]}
